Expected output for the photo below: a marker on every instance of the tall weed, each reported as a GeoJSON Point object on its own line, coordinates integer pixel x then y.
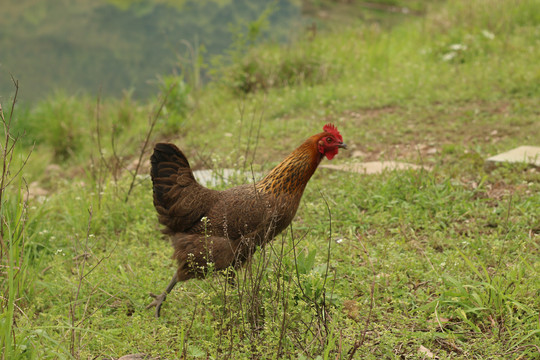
{"type": "Point", "coordinates": [14, 262]}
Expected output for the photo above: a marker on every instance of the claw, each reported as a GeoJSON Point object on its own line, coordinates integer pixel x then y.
{"type": "Point", "coordinates": [158, 301]}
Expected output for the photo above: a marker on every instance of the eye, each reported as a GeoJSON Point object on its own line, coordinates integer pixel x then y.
{"type": "Point", "coordinates": [328, 139]}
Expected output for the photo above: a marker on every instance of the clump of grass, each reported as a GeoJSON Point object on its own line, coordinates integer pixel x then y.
{"type": "Point", "coordinates": [177, 106]}
{"type": "Point", "coordinates": [15, 269]}
{"type": "Point", "coordinates": [249, 68]}
{"type": "Point", "coordinates": [60, 122]}
{"type": "Point", "coordinates": [262, 70]}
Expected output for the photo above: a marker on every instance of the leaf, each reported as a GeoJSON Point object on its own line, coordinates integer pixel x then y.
{"type": "Point", "coordinates": [196, 352]}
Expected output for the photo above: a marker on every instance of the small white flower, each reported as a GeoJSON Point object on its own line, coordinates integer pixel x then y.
{"type": "Point", "coordinates": [339, 241]}
{"type": "Point", "coordinates": [488, 35]}
{"type": "Point", "coordinates": [458, 47]}
{"type": "Point", "coordinates": [449, 56]}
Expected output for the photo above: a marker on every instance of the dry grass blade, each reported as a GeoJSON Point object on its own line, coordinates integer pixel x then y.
{"type": "Point", "coordinates": [142, 152]}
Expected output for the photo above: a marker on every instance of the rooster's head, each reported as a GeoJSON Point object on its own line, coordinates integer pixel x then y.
{"type": "Point", "coordinates": [330, 141]}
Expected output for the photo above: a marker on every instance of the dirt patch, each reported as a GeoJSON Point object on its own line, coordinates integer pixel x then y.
{"type": "Point", "coordinates": [500, 190]}
{"type": "Point", "coordinates": [398, 133]}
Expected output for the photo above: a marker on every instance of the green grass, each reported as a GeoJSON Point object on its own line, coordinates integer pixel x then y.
{"type": "Point", "coordinates": [375, 266]}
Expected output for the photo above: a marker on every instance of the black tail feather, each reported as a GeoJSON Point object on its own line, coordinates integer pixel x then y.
{"type": "Point", "coordinates": [178, 198]}
{"type": "Point", "coordinates": [167, 161]}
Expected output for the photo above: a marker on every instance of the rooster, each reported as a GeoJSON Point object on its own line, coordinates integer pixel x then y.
{"type": "Point", "coordinates": [221, 229]}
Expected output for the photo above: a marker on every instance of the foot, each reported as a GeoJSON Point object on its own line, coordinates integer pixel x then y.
{"type": "Point", "coordinates": [158, 301]}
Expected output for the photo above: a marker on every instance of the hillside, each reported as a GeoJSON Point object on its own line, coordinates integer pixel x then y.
{"type": "Point", "coordinates": [439, 263]}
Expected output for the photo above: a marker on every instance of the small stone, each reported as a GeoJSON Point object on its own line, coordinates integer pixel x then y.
{"type": "Point", "coordinates": [53, 168]}
{"type": "Point", "coordinates": [426, 353]}
{"type": "Point", "coordinates": [135, 357]}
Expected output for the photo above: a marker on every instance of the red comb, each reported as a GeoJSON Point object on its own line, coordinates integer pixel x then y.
{"type": "Point", "coordinates": [331, 129]}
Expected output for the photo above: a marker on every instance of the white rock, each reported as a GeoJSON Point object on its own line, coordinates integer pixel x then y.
{"type": "Point", "coordinates": [523, 154]}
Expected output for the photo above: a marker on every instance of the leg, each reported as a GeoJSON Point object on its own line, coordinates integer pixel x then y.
{"type": "Point", "coordinates": [159, 299]}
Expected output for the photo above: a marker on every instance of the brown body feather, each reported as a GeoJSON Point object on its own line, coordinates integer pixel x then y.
{"type": "Point", "coordinates": [225, 227]}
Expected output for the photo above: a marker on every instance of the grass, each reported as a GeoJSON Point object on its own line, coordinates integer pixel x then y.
{"type": "Point", "coordinates": [396, 265]}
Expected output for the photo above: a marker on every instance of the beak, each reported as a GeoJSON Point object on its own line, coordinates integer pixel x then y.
{"type": "Point", "coordinates": [342, 145]}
